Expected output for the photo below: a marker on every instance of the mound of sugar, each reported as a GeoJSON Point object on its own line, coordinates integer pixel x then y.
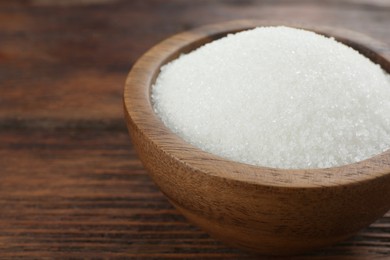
{"type": "Point", "coordinates": [277, 97]}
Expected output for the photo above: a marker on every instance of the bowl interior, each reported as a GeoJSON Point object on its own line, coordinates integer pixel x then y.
{"type": "Point", "coordinates": [139, 110]}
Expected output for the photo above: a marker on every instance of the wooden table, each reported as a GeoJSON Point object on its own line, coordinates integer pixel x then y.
{"type": "Point", "coordinates": [70, 183]}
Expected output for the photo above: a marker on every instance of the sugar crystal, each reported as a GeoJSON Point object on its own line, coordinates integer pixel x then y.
{"type": "Point", "coordinates": [277, 97]}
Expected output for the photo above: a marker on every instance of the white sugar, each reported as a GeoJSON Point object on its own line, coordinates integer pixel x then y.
{"type": "Point", "coordinates": [277, 97]}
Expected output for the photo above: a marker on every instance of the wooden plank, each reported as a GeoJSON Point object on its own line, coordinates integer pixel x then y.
{"type": "Point", "coordinates": [83, 193]}
{"type": "Point", "coordinates": [79, 191]}
{"type": "Point", "coordinates": [65, 62]}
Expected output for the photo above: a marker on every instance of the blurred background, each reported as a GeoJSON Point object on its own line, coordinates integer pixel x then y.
{"type": "Point", "coordinates": [70, 182]}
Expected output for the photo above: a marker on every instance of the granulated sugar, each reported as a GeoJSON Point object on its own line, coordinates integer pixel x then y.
{"type": "Point", "coordinates": [277, 97]}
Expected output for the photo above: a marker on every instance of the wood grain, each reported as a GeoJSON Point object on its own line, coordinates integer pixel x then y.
{"type": "Point", "coordinates": [267, 210]}
{"type": "Point", "coordinates": [49, 52]}
{"type": "Point", "coordinates": [85, 194]}
{"type": "Point", "coordinates": [70, 184]}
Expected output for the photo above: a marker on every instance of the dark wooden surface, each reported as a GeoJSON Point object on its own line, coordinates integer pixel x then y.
{"type": "Point", "coordinates": [70, 183]}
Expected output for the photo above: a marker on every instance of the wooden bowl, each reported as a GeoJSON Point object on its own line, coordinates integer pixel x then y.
{"type": "Point", "coordinates": [267, 210]}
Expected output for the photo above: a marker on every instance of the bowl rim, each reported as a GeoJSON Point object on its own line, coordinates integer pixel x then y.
{"type": "Point", "coordinates": [139, 112]}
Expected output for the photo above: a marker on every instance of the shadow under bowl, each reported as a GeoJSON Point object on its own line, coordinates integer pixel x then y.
{"type": "Point", "coordinates": [266, 210]}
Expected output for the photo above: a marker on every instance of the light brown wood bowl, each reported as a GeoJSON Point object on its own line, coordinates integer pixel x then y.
{"type": "Point", "coordinates": [267, 210]}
